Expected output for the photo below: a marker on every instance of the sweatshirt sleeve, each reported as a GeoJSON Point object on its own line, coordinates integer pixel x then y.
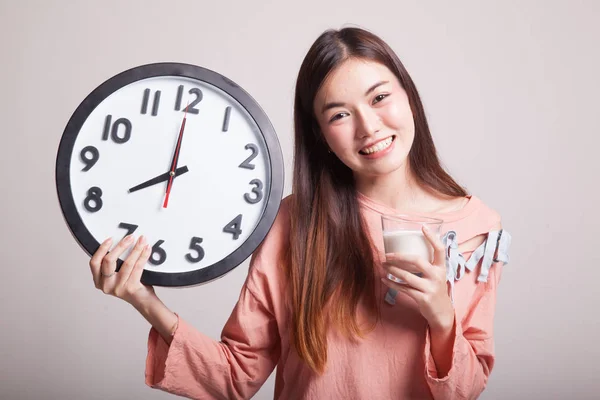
{"type": "Point", "coordinates": [473, 351]}
{"type": "Point", "coordinates": [198, 367]}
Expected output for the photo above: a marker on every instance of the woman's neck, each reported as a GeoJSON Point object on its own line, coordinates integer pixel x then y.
{"type": "Point", "coordinates": [401, 191]}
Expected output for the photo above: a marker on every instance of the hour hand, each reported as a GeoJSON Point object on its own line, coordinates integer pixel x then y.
{"type": "Point", "coordinates": [161, 178]}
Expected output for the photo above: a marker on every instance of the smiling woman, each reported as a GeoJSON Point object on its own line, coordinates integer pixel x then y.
{"type": "Point", "coordinates": [316, 302]}
{"type": "Point", "coordinates": [361, 124]}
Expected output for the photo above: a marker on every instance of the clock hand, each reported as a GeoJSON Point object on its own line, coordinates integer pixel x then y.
{"type": "Point", "coordinates": [159, 179]}
{"type": "Point", "coordinates": [175, 159]}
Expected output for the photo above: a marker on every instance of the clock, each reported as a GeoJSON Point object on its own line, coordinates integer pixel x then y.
{"type": "Point", "coordinates": [177, 153]}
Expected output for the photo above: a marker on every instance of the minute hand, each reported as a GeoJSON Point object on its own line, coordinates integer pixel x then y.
{"type": "Point", "coordinates": [161, 178]}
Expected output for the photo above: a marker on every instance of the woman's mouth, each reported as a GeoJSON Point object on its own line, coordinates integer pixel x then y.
{"type": "Point", "coordinates": [378, 147]}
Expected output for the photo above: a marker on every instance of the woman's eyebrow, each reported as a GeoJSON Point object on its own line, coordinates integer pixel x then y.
{"type": "Point", "coordinates": [334, 105]}
{"type": "Point", "coordinates": [331, 105]}
{"type": "Point", "coordinates": [375, 86]}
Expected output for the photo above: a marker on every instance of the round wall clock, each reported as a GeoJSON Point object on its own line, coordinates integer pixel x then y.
{"type": "Point", "coordinates": [177, 153]}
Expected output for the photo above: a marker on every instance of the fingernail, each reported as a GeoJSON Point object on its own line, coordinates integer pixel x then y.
{"type": "Point", "coordinates": [142, 240]}
{"type": "Point", "coordinates": [107, 241]}
{"type": "Point", "coordinates": [426, 228]}
{"type": "Point", "coordinates": [128, 239]}
{"type": "Point", "coordinates": [148, 247]}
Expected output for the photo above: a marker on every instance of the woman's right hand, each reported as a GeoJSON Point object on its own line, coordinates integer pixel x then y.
{"type": "Point", "coordinates": [126, 283]}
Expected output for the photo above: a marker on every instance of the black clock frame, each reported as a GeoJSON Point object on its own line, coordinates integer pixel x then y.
{"type": "Point", "coordinates": [273, 197]}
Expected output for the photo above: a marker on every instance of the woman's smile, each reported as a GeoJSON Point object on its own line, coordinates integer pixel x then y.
{"type": "Point", "coordinates": [379, 149]}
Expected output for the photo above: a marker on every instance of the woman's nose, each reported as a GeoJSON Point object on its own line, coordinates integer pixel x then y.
{"type": "Point", "coordinates": [369, 123]}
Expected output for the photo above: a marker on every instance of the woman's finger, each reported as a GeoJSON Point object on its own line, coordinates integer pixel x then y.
{"type": "Point", "coordinates": [408, 278]}
{"type": "Point", "coordinates": [130, 261]}
{"type": "Point", "coordinates": [109, 262]}
{"type": "Point", "coordinates": [96, 260]}
{"type": "Point", "coordinates": [108, 269]}
{"type": "Point", "coordinates": [409, 262]}
{"type": "Point", "coordinates": [138, 269]}
{"type": "Point", "coordinates": [439, 251]}
{"type": "Point", "coordinates": [413, 293]}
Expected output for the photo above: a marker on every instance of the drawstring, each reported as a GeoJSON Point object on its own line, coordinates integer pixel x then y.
{"type": "Point", "coordinates": [497, 242]}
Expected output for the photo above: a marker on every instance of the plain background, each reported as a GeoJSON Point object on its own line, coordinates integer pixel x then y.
{"type": "Point", "coordinates": [511, 91]}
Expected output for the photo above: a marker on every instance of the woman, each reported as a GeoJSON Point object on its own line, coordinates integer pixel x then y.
{"type": "Point", "coordinates": [316, 302]}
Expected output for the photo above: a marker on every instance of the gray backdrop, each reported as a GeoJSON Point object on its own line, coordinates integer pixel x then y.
{"type": "Point", "coordinates": [511, 91]}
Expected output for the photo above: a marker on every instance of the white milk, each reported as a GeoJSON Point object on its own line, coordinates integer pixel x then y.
{"type": "Point", "coordinates": [408, 242]}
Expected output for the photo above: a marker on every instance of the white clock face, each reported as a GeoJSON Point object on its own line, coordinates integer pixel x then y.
{"type": "Point", "coordinates": [223, 168]}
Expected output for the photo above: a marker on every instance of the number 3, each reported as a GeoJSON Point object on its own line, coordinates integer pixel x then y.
{"type": "Point", "coordinates": [257, 191]}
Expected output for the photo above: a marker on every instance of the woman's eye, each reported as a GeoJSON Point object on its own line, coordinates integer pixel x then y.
{"type": "Point", "coordinates": [338, 116]}
{"type": "Point", "coordinates": [379, 97]}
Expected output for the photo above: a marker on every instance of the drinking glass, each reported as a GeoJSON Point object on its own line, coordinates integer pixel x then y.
{"type": "Point", "coordinates": [403, 234]}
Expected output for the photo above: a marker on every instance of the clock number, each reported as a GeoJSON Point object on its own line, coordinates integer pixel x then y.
{"type": "Point", "coordinates": [93, 201]}
{"type": "Point", "coordinates": [195, 245]}
{"type": "Point", "coordinates": [178, 99]}
{"type": "Point", "coordinates": [233, 227]}
{"type": "Point", "coordinates": [159, 252]}
{"type": "Point", "coordinates": [114, 131]}
{"type": "Point", "coordinates": [129, 227]}
{"type": "Point", "coordinates": [257, 191]}
{"type": "Point", "coordinates": [89, 161]}
{"type": "Point", "coordinates": [154, 104]}
{"type": "Point", "coordinates": [190, 108]}
{"type": "Point", "coordinates": [226, 119]}
{"type": "Point", "coordinates": [246, 163]}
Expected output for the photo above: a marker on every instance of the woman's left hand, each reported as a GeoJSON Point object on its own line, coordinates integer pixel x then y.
{"type": "Point", "coordinates": [430, 290]}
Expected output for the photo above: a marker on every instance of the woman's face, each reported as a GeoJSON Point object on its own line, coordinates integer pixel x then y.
{"type": "Point", "coordinates": [365, 117]}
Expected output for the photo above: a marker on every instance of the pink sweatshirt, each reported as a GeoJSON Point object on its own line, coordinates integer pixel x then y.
{"type": "Point", "coordinates": [392, 362]}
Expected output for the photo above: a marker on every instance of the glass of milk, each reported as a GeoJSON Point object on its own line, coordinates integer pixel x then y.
{"type": "Point", "coordinates": [403, 234]}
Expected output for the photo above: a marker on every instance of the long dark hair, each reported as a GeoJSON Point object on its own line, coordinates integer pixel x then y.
{"type": "Point", "coordinates": [330, 260]}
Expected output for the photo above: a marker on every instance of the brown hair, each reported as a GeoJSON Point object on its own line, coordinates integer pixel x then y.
{"type": "Point", "coordinates": [330, 260]}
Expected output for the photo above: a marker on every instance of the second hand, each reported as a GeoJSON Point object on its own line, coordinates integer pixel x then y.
{"type": "Point", "coordinates": [175, 159]}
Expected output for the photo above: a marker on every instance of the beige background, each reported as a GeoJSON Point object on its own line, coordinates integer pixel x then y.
{"type": "Point", "coordinates": [511, 90]}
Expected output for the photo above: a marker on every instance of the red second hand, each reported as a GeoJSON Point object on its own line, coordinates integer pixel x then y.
{"type": "Point", "coordinates": [175, 158]}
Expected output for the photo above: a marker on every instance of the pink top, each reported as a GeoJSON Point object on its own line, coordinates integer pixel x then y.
{"type": "Point", "coordinates": [391, 362]}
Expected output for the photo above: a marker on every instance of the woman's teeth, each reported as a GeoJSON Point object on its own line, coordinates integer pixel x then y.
{"type": "Point", "coordinates": [384, 144]}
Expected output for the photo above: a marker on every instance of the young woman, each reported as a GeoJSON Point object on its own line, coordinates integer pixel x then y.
{"type": "Point", "coordinates": [316, 303]}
